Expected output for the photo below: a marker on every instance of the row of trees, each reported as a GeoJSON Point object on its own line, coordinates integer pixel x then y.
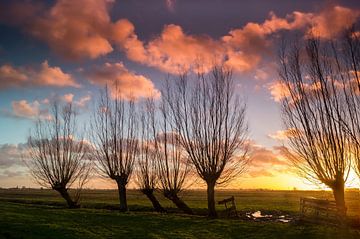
{"type": "Point", "coordinates": [198, 127]}
{"type": "Point", "coordinates": [321, 108]}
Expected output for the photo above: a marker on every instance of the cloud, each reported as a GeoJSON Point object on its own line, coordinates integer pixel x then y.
{"type": "Point", "coordinates": [84, 29]}
{"type": "Point", "coordinates": [332, 21]}
{"type": "Point", "coordinates": [82, 102]}
{"type": "Point", "coordinates": [53, 76]}
{"type": "Point", "coordinates": [67, 98]}
{"type": "Point", "coordinates": [265, 162]}
{"type": "Point", "coordinates": [242, 49]}
{"type": "Point", "coordinates": [284, 134]}
{"type": "Point", "coordinates": [28, 110]}
{"type": "Point", "coordinates": [75, 29]}
{"type": "Point", "coordinates": [11, 155]}
{"type": "Point", "coordinates": [278, 91]}
{"type": "Point", "coordinates": [44, 75]}
{"type": "Point", "coordinates": [23, 109]}
{"type": "Point", "coordinates": [130, 85]}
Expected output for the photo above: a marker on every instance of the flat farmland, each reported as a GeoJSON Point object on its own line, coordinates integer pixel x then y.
{"type": "Point", "coordinates": [35, 213]}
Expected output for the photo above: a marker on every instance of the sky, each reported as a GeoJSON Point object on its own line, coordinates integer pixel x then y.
{"type": "Point", "coordinates": [68, 50]}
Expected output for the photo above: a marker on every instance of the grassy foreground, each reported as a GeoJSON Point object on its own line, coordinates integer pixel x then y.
{"type": "Point", "coordinates": [40, 214]}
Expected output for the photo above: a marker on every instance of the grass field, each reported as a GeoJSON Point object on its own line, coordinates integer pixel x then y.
{"type": "Point", "coordinates": [41, 214]}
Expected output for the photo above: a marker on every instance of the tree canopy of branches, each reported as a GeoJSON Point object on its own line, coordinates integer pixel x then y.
{"type": "Point", "coordinates": [314, 109]}
{"type": "Point", "coordinates": [57, 159]}
{"type": "Point", "coordinates": [348, 63]}
{"type": "Point", "coordinates": [210, 122]}
{"type": "Point", "coordinates": [172, 163]}
{"type": "Point", "coordinates": [146, 170]}
{"type": "Point", "coordinates": [114, 128]}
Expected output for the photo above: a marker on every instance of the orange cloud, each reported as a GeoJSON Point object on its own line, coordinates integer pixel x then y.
{"type": "Point", "coordinates": [284, 134]}
{"type": "Point", "coordinates": [84, 29]}
{"type": "Point", "coordinates": [130, 85]}
{"type": "Point", "coordinates": [332, 21]}
{"type": "Point", "coordinates": [45, 75]}
{"type": "Point", "coordinates": [24, 109]}
{"type": "Point", "coordinates": [278, 91]}
{"type": "Point", "coordinates": [81, 103]}
{"type": "Point", "coordinates": [76, 29]}
{"type": "Point", "coordinates": [266, 162]}
{"type": "Point", "coordinates": [28, 110]}
{"type": "Point", "coordinates": [242, 49]}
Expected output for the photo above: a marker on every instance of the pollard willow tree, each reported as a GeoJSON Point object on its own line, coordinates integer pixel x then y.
{"type": "Point", "coordinates": [147, 177]}
{"type": "Point", "coordinates": [173, 167]}
{"type": "Point", "coordinates": [114, 134]}
{"type": "Point", "coordinates": [314, 109]}
{"type": "Point", "coordinates": [57, 158]}
{"type": "Point", "coordinates": [347, 52]}
{"type": "Point", "coordinates": [209, 119]}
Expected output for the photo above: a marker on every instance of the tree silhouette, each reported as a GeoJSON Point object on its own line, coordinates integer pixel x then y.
{"type": "Point", "coordinates": [58, 159]}
{"type": "Point", "coordinates": [210, 122]}
{"type": "Point", "coordinates": [114, 134]}
{"type": "Point", "coordinates": [146, 170]}
{"type": "Point", "coordinates": [172, 162]}
{"type": "Point", "coordinates": [313, 109]}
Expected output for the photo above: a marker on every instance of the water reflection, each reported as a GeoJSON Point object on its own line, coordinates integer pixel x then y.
{"type": "Point", "coordinates": [258, 216]}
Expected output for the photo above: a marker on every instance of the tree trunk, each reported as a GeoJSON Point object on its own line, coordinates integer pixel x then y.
{"type": "Point", "coordinates": [179, 203]}
{"type": "Point", "coordinates": [65, 194]}
{"type": "Point", "coordinates": [122, 196]}
{"type": "Point", "coordinates": [211, 199]}
{"type": "Point", "coordinates": [339, 195]}
{"type": "Point", "coordinates": [156, 204]}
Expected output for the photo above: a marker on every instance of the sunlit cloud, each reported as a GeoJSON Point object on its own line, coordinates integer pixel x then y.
{"type": "Point", "coordinates": [44, 75]}
{"type": "Point", "coordinates": [84, 29]}
{"type": "Point", "coordinates": [129, 84]}
{"type": "Point", "coordinates": [28, 110]}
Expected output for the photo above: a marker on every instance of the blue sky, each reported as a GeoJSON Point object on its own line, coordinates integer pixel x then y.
{"type": "Point", "coordinates": [69, 48]}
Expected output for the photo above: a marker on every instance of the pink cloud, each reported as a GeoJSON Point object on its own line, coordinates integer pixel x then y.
{"type": "Point", "coordinates": [278, 91]}
{"type": "Point", "coordinates": [266, 162]}
{"type": "Point", "coordinates": [284, 134]}
{"type": "Point", "coordinates": [28, 110]}
{"type": "Point", "coordinates": [81, 103]}
{"type": "Point", "coordinates": [84, 29]}
{"type": "Point", "coordinates": [332, 21]}
{"type": "Point", "coordinates": [44, 75]}
{"type": "Point", "coordinates": [24, 109]}
{"type": "Point", "coordinates": [130, 85]}
{"type": "Point", "coordinates": [75, 29]}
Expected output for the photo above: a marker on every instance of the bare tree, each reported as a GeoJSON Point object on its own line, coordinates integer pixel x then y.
{"type": "Point", "coordinates": [347, 53]}
{"type": "Point", "coordinates": [114, 134]}
{"type": "Point", "coordinates": [210, 122]}
{"type": "Point", "coordinates": [313, 109]}
{"type": "Point", "coordinates": [172, 162]}
{"type": "Point", "coordinates": [146, 173]}
{"type": "Point", "coordinates": [57, 158]}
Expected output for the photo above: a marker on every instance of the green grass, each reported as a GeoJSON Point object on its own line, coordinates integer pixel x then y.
{"type": "Point", "coordinates": [29, 219]}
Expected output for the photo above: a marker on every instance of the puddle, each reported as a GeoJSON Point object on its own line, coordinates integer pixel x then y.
{"type": "Point", "coordinates": [258, 216]}
{"type": "Point", "coordinates": [284, 220]}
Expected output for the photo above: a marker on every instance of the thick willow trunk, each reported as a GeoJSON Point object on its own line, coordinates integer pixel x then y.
{"type": "Point", "coordinates": [156, 204]}
{"type": "Point", "coordinates": [179, 203]}
{"type": "Point", "coordinates": [122, 195]}
{"type": "Point", "coordinates": [339, 195]}
{"type": "Point", "coordinates": [65, 194]}
{"type": "Point", "coordinates": [211, 199]}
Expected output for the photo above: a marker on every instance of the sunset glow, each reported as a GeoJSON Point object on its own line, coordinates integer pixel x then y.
{"type": "Point", "coordinates": [68, 50]}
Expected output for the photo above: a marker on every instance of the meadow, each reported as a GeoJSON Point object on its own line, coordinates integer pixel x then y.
{"type": "Point", "coordinates": [35, 213]}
